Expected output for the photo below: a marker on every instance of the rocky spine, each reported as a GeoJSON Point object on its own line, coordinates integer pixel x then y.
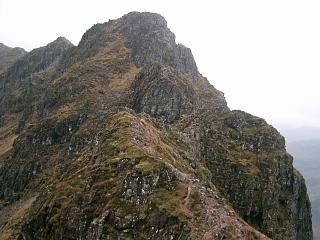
{"type": "Point", "coordinates": [122, 137]}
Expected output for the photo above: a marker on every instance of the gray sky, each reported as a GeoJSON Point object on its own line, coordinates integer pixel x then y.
{"type": "Point", "coordinates": [264, 55]}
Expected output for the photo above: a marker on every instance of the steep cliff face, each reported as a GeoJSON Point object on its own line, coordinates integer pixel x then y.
{"type": "Point", "coordinates": [122, 137]}
{"type": "Point", "coordinates": [261, 183]}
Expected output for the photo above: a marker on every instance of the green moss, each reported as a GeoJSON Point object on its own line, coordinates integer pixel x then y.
{"type": "Point", "coordinates": [296, 173]}
{"type": "Point", "coordinates": [203, 174]}
{"type": "Point", "coordinates": [283, 219]}
{"type": "Point", "coordinates": [196, 205]}
{"type": "Point", "coordinates": [170, 202]}
{"type": "Point", "coordinates": [121, 209]}
{"type": "Point", "coordinates": [147, 166]}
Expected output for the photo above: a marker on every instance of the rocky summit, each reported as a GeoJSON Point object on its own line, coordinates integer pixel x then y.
{"type": "Point", "coordinates": [121, 137]}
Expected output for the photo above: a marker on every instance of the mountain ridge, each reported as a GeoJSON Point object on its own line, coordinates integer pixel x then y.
{"type": "Point", "coordinates": [125, 119]}
{"type": "Point", "coordinates": [9, 55]}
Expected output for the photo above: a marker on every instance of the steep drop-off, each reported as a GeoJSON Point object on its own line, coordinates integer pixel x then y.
{"type": "Point", "coordinates": [122, 137]}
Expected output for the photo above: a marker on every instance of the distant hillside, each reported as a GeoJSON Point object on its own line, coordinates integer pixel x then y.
{"type": "Point", "coordinates": [307, 160]}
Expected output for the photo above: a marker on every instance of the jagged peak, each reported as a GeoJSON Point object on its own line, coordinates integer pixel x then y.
{"type": "Point", "coordinates": [19, 49]}
{"type": "Point", "coordinates": [153, 19]}
{"type": "Point", "coordinates": [9, 55]}
{"type": "Point", "coordinates": [38, 59]}
{"type": "Point", "coordinates": [176, 153]}
{"type": "Point", "coordinates": [148, 37]}
{"type": "Point", "coordinates": [60, 42]}
{"type": "Point", "coordinates": [5, 48]}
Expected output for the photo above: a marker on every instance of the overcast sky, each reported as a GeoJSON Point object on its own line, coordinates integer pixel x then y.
{"type": "Point", "coordinates": [264, 55]}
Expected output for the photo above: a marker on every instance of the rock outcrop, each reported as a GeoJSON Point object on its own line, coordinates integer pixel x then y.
{"type": "Point", "coordinates": [121, 137]}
